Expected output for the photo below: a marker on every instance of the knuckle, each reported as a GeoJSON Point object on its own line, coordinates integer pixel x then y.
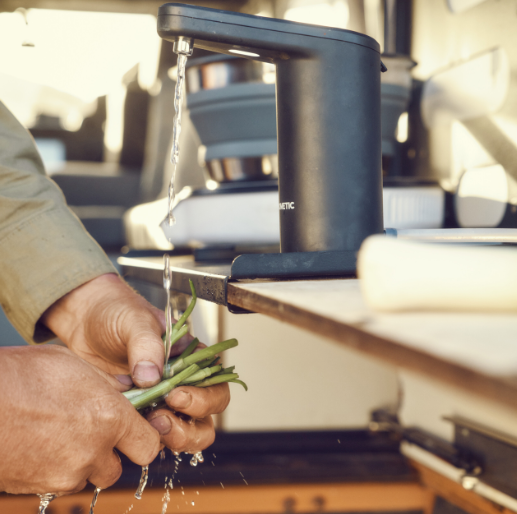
{"type": "Point", "coordinates": [217, 399]}
{"type": "Point", "coordinates": [69, 485]}
{"type": "Point", "coordinates": [225, 397]}
{"type": "Point", "coordinates": [153, 450]}
{"type": "Point", "coordinates": [210, 438]}
{"type": "Point", "coordinates": [107, 410]}
{"type": "Point", "coordinates": [178, 440]}
{"type": "Point", "coordinates": [111, 476]}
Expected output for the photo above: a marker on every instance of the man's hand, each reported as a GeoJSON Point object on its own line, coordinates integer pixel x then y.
{"type": "Point", "coordinates": [185, 435]}
{"type": "Point", "coordinates": [109, 325]}
{"type": "Point", "coordinates": [60, 422]}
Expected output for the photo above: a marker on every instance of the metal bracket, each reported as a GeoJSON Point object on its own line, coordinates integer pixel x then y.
{"type": "Point", "coordinates": [496, 452]}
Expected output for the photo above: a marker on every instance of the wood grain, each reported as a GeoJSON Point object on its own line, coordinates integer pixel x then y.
{"type": "Point", "coordinates": [454, 493]}
{"type": "Point", "coordinates": [300, 498]}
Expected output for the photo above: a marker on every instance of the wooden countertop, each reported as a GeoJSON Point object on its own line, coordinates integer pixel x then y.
{"type": "Point", "coordinates": [477, 352]}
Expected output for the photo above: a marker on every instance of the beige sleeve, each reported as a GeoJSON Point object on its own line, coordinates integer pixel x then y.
{"type": "Point", "coordinates": [45, 252]}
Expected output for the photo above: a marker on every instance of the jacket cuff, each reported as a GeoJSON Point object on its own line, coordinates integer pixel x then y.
{"type": "Point", "coordinates": [43, 258]}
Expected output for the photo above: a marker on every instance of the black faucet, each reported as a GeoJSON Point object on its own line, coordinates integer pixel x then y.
{"type": "Point", "coordinates": [328, 126]}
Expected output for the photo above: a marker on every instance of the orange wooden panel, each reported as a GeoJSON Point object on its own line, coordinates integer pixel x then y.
{"type": "Point", "coordinates": [299, 498]}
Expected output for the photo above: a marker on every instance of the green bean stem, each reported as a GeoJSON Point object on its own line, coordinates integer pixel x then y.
{"type": "Point", "coordinates": [217, 379]}
{"type": "Point", "coordinates": [225, 371]}
{"type": "Point", "coordinates": [162, 388]}
{"type": "Point", "coordinates": [190, 348]}
{"type": "Point", "coordinates": [133, 393]}
{"type": "Point", "coordinates": [201, 374]}
{"type": "Point", "coordinates": [235, 381]}
{"type": "Point", "coordinates": [201, 355]}
{"type": "Point", "coordinates": [188, 310]}
{"type": "Point", "coordinates": [175, 337]}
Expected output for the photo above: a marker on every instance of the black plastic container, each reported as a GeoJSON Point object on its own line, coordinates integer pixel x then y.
{"type": "Point", "coordinates": [328, 127]}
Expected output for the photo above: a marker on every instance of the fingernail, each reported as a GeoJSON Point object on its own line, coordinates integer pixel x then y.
{"type": "Point", "coordinates": [124, 379]}
{"type": "Point", "coordinates": [146, 371]}
{"type": "Point", "coordinates": [180, 399]}
{"type": "Point", "coordinates": [162, 424]}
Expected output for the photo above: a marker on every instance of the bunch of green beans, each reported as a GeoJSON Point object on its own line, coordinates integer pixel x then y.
{"type": "Point", "coordinates": [200, 369]}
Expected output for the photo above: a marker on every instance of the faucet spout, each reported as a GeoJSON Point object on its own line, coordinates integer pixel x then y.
{"type": "Point", "coordinates": [183, 46]}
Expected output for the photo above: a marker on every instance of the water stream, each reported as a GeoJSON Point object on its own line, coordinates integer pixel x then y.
{"type": "Point", "coordinates": [168, 309]}
{"type": "Point", "coordinates": [143, 483]}
{"type": "Point", "coordinates": [183, 47]}
{"type": "Point", "coordinates": [44, 500]}
{"type": "Point", "coordinates": [94, 499]}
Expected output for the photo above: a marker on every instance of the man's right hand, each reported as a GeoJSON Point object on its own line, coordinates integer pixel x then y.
{"type": "Point", "coordinates": [60, 420]}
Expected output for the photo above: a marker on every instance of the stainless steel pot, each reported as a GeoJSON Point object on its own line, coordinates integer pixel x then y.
{"type": "Point", "coordinates": [234, 149]}
{"type": "Point", "coordinates": [219, 70]}
{"type": "Point", "coordinates": [232, 169]}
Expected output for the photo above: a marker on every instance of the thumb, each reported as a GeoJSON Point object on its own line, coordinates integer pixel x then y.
{"type": "Point", "coordinates": [140, 442]}
{"type": "Point", "coordinates": [145, 350]}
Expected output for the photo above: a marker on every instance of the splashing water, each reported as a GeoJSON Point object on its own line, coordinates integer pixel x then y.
{"type": "Point", "coordinates": [166, 499]}
{"type": "Point", "coordinates": [94, 500]}
{"type": "Point", "coordinates": [183, 47]}
{"type": "Point", "coordinates": [169, 485]}
{"type": "Point", "coordinates": [143, 483]}
{"type": "Point", "coordinates": [197, 457]}
{"type": "Point", "coordinates": [44, 500]}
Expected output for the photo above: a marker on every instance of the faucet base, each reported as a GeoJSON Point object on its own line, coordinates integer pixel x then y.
{"type": "Point", "coordinates": [294, 265]}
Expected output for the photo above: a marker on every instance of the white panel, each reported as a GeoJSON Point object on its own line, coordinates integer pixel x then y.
{"type": "Point", "coordinates": [426, 401]}
{"type": "Point", "coordinates": [300, 381]}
